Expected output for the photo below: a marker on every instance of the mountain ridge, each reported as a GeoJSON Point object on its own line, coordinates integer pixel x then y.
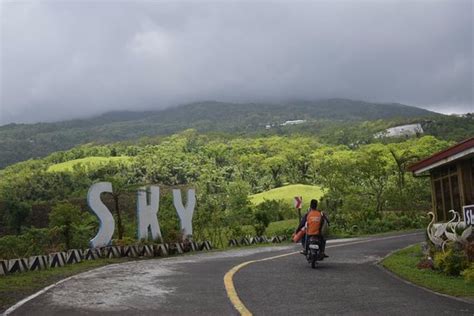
{"type": "Point", "coordinates": [24, 141]}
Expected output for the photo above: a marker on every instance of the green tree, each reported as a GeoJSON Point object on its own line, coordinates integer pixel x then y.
{"type": "Point", "coordinates": [276, 165]}
{"type": "Point", "coordinates": [17, 214]}
{"type": "Point", "coordinates": [64, 217]}
{"type": "Point", "coordinates": [238, 205]}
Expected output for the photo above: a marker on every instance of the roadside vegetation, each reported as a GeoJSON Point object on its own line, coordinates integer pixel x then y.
{"type": "Point", "coordinates": [243, 185]}
{"type": "Point", "coordinates": [406, 264]}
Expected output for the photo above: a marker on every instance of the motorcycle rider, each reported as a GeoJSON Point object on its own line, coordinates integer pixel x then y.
{"type": "Point", "coordinates": [314, 220]}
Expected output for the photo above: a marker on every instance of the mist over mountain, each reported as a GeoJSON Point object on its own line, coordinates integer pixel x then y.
{"type": "Point", "coordinates": [69, 59]}
{"type": "Point", "coordinates": [23, 141]}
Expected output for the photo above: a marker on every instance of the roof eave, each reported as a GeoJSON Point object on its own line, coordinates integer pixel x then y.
{"type": "Point", "coordinates": [445, 161]}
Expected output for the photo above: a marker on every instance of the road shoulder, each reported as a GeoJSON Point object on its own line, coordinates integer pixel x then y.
{"type": "Point", "coordinates": [425, 279]}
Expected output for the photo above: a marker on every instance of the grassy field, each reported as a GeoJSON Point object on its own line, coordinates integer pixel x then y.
{"type": "Point", "coordinates": [17, 286]}
{"type": "Point", "coordinates": [287, 194]}
{"type": "Point", "coordinates": [403, 263]}
{"type": "Point", "coordinates": [88, 163]}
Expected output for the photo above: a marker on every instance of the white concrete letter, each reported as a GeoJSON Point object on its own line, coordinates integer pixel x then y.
{"type": "Point", "coordinates": [185, 213]}
{"type": "Point", "coordinates": [107, 222]}
{"type": "Point", "coordinates": [147, 213]}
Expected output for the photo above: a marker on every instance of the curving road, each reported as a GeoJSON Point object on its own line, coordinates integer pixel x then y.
{"type": "Point", "coordinates": [349, 282]}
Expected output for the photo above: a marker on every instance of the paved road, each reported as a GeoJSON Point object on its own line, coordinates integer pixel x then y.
{"type": "Point", "coordinates": [348, 283]}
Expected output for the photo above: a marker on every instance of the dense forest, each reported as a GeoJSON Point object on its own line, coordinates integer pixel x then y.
{"type": "Point", "coordinates": [335, 121]}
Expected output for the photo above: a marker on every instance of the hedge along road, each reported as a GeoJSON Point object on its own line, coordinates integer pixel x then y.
{"type": "Point", "coordinates": [283, 283]}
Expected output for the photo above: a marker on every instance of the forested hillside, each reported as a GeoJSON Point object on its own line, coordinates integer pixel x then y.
{"type": "Point", "coordinates": [363, 186]}
{"type": "Point", "coordinates": [20, 142]}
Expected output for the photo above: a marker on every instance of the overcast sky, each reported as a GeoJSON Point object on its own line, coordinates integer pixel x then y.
{"type": "Point", "coordinates": [65, 59]}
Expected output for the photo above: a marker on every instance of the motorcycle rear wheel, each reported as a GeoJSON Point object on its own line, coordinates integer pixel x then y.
{"type": "Point", "coordinates": [313, 262]}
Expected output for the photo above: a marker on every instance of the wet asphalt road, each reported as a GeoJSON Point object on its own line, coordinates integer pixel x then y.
{"type": "Point", "coordinates": [349, 282]}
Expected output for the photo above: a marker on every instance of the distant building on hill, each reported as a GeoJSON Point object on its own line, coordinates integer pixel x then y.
{"type": "Point", "coordinates": [295, 122]}
{"type": "Point", "coordinates": [286, 123]}
{"type": "Point", "coordinates": [401, 131]}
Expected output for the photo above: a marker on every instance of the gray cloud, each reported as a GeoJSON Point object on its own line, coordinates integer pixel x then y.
{"type": "Point", "coordinates": [65, 59]}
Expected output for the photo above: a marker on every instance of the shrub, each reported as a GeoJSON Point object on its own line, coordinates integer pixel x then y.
{"type": "Point", "coordinates": [469, 250]}
{"type": "Point", "coordinates": [33, 241]}
{"type": "Point", "coordinates": [38, 241]}
{"type": "Point", "coordinates": [129, 227]}
{"type": "Point", "coordinates": [270, 208]}
{"type": "Point", "coordinates": [169, 220]}
{"type": "Point", "coordinates": [345, 223]}
{"type": "Point", "coordinates": [249, 230]}
{"type": "Point", "coordinates": [126, 241]}
{"type": "Point", "coordinates": [11, 246]}
{"type": "Point", "coordinates": [451, 262]}
{"type": "Point", "coordinates": [282, 228]}
{"type": "Point", "coordinates": [261, 221]}
{"type": "Point", "coordinates": [468, 274]}
{"type": "Point", "coordinates": [277, 210]}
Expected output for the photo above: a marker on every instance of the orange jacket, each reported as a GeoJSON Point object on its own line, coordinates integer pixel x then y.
{"type": "Point", "coordinates": [313, 222]}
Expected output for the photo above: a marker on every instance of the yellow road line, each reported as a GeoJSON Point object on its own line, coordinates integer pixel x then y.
{"type": "Point", "coordinates": [230, 288]}
{"type": "Point", "coordinates": [229, 283]}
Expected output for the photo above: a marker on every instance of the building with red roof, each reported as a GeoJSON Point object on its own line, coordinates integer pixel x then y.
{"type": "Point", "coordinates": [452, 178]}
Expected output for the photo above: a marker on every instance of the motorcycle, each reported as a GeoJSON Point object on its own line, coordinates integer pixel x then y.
{"type": "Point", "coordinates": [312, 251]}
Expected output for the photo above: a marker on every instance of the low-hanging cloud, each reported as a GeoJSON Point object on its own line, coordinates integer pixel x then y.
{"type": "Point", "coordinates": [62, 59]}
